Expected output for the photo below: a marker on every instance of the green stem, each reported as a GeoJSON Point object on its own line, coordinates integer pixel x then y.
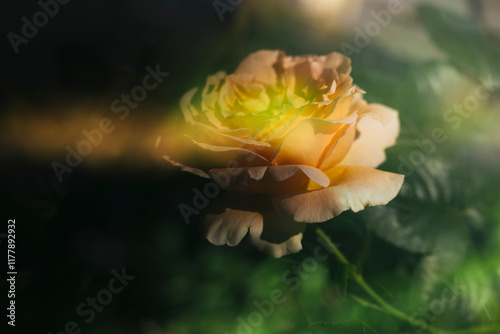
{"type": "Point", "coordinates": [477, 330]}
{"type": "Point", "coordinates": [390, 309]}
{"type": "Point", "coordinates": [332, 246]}
{"type": "Point", "coordinates": [358, 278]}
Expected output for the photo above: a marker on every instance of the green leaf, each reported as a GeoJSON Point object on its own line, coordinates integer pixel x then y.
{"type": "Point", "coordinates": [430, 217]}
{"type": "Point", "coordinates": [469, 48]}
{"type": "Point", "coordinates": [426, 216]}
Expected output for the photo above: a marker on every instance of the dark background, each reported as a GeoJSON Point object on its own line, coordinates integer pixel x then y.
{"type": "Point", "coordinates": [71, 235]}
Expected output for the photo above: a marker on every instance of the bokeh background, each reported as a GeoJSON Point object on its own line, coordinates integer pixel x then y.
{"type": "Point", "coordinates": [119, 207]}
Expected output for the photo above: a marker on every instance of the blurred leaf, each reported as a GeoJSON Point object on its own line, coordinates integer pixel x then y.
{"type": "Point", "coordinates": [467, 45]}
{"type": "Point", "coordinates": [430, 216]}
{"type": "Point", "coordinates": [425, 216]}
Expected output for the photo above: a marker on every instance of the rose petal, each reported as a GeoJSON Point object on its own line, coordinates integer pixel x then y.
{"type": "Point", "coordinates": [344, 105]}
{"type": "Point", "coordinates": [229, 140]}
{"type": "Point", "coordinates": [311, 141]}
{"type": "Point", "coordinates": [235, 156]}
{"type": "Point", "coordinates": [260, 65]}
{"type": "Point", "coordinates": [202, 156]}
{"type": "Point", "coordinates": [209, 99]}
{"type": "Point", "coordinates": [342, 66]}
{"type": "Point", "coordinates": [232, 218]}
{"type": "Point", "coordinates": [188, 169]}
{"type": "Point", "coordinates": [188, 110]}
{"type": "Point", "coordinates": [337, 61]}
{"type": "Point", "coordinates": [217, 136]}
{"type": "Point", "coordinates": [269, 179]}
{"type": "Point", "coordinates": [378, 128]}
{"type": "Point", "coordinates": [339, 150]}
{"type": "Point", "coordinates": [275, 128]}
{"type": "Point", "coordinates": [353, 187]}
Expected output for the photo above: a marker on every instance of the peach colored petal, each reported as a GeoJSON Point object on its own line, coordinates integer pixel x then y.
{"type": "Point", "coordinates": [343, 106]}
{"type": "Point", "coordinates": [188, 110]}
{"type": "Point", "coordinates": [188, 169]}
{"type": "Point", "coordinates": [342, 66]}
{"type": "Point", "coordinates": [311, 141]}
{"type": "Point", "coordinates": [193, 116]}
{"type": "Point", "coordinates": [304, 71]}
{"type": "Point", "coordinates": [352, 187]}
{"type": "Point", "coordinates": [340, 149]}
{"type": "Point", "coordinates": [231, 219]}
{"type": "Point", "coordinates": [210, 91]}
{"type": "Point", "coordinates": [378, 128]}
{"type": "Point", "coordinates": [260, 65]}
{"type": "Point", "coordinates": [275, 128]}
{"type": "Point", "coordinates": [239, 156]}
{"type": "Point", "coordinates": [337, 61]}
{"type": "Point", "coordinates": [209, 99]}
{"type": "Point", "coordinates": [222, 138]}
{"type": "Point", "coordinates": [244, 90]}
{"type": "Point", "coordinates": [269, 179]}
{"type": "Point", "coordinates": [202, 155]}
{"type": "Point", "coordinates": [213, 123]}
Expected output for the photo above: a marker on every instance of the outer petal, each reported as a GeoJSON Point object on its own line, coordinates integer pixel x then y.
{"type": "Point", "coordinates": [188, 110]}
{"type": "Point", "coordinates": [311, 141]}
{"type": "Point", "coordinates": [337, 61]}
{"type": "Point", "coordinates": [378, 128]}
{"type": "Point", "coordinates": [232, 156]}
{"type": "Point", "coordinates": [232, 218]}
{"type": "Point", "coordinates": [260, 65]}
{"type": "Point", "coordinates": [192, 170]}
{"type": "Point", "coordinates": [269, 179]}
{"type": "Point", "coordinates": [202, 156]}
{"type": "Point", "coordinates": [353, 187]}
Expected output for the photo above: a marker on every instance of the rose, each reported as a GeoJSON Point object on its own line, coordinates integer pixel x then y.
{"type": "Point", "coordinates": [293, 141]}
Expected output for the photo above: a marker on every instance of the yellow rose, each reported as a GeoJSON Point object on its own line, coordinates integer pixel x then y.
{"type": "Point", "coordinates": [293, 141]}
